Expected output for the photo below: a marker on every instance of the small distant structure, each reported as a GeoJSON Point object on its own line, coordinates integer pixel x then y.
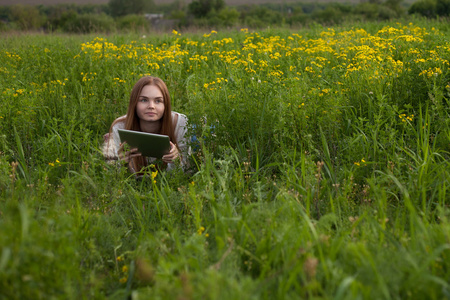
{"type": "Point", "coordinates": [154, 18]}
{"type": "Point", "coordinates": [158, 22]}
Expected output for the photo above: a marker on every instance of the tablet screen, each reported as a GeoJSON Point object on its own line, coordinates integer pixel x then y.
{"type": "Point", "coordinates": [149, 144]}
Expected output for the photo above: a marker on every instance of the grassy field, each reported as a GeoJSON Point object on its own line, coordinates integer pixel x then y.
{"type": "Point", "coordinates": [52, 2]}
{"type": "Point", "coordinates": [320, 168]}
{"type": "Point", "coordinates": [228, 2]}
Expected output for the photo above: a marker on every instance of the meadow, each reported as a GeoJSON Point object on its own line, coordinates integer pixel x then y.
{"type": "Point", "coordinates": [157, 2]}
{"type": "Point", "coordinates": [319, 169]}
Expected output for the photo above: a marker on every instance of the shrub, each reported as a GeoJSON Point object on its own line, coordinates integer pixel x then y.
{"type": "Point", "coordinates": [368, 10]}
{"type": "Point", "coordinates": [386, 13]}
{"type": "Point", "coordinates": [395, 6]}
{"type": "Point", "coordinates": [425, 8]}
{"type": "Point", "coordinates": [133, 23]}
{"type": "Point", "coordinates": [228, 16]}
{"type": "Point", "coordinates": [179, 16]}
{"type": "Point", "coordinates": [90, 23]}
{"type": "Point", "coordinates": [3, 26]}
{"type": "Point", "coordinates": [443, 7]}
{"type": "Point", "coordinates": [120, 8]}
{"type": "Point", "coordinates": [27, 17]}
{"type": "Point", "coordinates": [61, 20]}
{"type": "Point", "coordinates": [261, 16]}
{"type": "Point", "coordinates": [201, 8]}
{"type": "Point", "coordinates": [60, 15]}
{"type": "Point", "coordinates": [5, 13]}
{"type": "Point", "coordinates": [329, 16]}
{"type": "Point", "coordinates": [298, 19]}
{"type": "Point", "coordinates": [431, 8]}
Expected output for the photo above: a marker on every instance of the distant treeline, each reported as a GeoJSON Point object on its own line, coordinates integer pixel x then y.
{"type": "Point", "coordinates": [138, 15]}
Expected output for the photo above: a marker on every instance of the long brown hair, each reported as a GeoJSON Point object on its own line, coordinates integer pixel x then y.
{"type": "Point", "coordinates": [132, 120]}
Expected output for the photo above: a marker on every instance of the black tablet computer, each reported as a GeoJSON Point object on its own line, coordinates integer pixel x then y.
{"type": "Point", "coordinates": [149, 144]}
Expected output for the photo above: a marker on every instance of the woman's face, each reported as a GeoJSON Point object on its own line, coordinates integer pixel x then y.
{"type": "Point", "coordinates": [150, 105]}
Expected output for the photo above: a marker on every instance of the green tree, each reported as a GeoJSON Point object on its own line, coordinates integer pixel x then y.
{"type": "Point", "coordinates": [431, 8]}
{"type": "Point", "coordinates": [443, 7]}
{"type": "Point", "coordinates": [425, 8]}
{"type": "Point", "coordinates": [27, 17]}
{"type": "Point", "coordinates": [120, 8]}
{"type": "Point", "coordinates": [201, 8]}
{"type": "Point", "coordinates": [228, 16]}
{"type": "Point", "coordinates": [395, 5]}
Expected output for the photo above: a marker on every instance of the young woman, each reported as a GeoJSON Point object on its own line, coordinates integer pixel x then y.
{"type": "Point", "coordinates": [149, 110]}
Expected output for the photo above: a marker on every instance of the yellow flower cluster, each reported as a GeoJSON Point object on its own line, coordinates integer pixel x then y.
{"type": "Point", "coordinates": [355, 50]}
{"type": "Point", "coordinates": [405, 118]}
{"type": "Point", "coordinates": [124, 270]}
{"type": "Point", "coordinates": [118, 80]}
{"type": "Point", "coordinates": [12, 55]}
{"type": "Point", "coordinates": [208, 35]}
{"type": "Point", "coordinates": [210, 85]}
{"type": "Point", "coordinates": [201, 230]}
{"type": "Point", "coordinates": [153, 175]}
{"type": "Point", "coordinates": [358, 163]}
{"type": "Point", "coordinates": [347, 53]}
{"type": "Point", "coordinates": [431, 72]}
{"type": "Point", "coordinates": [336, 61]}
{"type": "Point", "coordinates": [55, 163]}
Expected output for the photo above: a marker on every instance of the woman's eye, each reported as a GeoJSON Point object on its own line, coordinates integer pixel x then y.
{"type": "Point", "coordinates": [158, 101]}
{"type": "Point", "coordinates": [143, 100]}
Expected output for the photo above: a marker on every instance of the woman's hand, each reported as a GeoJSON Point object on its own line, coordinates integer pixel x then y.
{"type": "Point", "coordinates": [126, 156]}
{"type": "Point", "coordinates": [172, 155]}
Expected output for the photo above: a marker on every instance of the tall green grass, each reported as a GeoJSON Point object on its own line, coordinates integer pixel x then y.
{"type": "Point", "coordinates": [307, 180]}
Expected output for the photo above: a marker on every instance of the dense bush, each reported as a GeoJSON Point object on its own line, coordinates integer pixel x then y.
{"type": "Point", "coordinates": [61, 20]}
{"type": "Point", "coordinates": [57, 9]}
{"type": "Point", "coordinates": [5, 13]}
{"type": "Point", "coordinates": [443, 7]}
{"type": "Point", "coordinates": [425, 8]}
{"type": "Point", "coordinates": [371, 12]}
{"type": "Point", "coordinates": [431, 8]}
{"type": "Point", "coordinates": [133, 23]}
{"type": "Point", "coordinates": [328, 16]}
{"type": "Point", "coordinates": [298, 17]}
{"type": "Point", "coordinates": [202, 8]}
{"type": "Point", "coordinates": [259, 16]}
{"type": "Point", "coordinates": [119, 8]}
{"type": "Point", "coordinates": [26, 17]}
{"type": "Point", "coordinates": [228, 17]}
{"type": "Point", "coordinates": [89, 23]}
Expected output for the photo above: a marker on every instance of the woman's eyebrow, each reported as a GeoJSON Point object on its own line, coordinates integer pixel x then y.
{"type": "Point", "coordinates": [151, 98]}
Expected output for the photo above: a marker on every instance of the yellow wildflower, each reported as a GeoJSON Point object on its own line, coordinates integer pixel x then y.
{"type": "Point", "coordinates": [200, 230]}
{"type": "Point", "coordinates": [154, 174]}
